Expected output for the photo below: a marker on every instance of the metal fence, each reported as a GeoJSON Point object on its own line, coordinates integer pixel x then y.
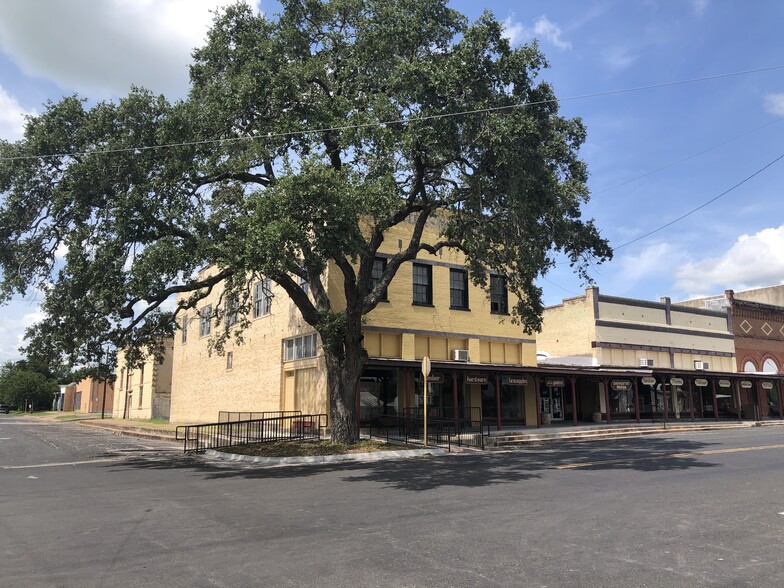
{"type": "Point", "coordinates": [228, 417]}
{"type": "Point", "coordinates": [299, 427]}
{"type": "Point", "coordinates": [441, 432]}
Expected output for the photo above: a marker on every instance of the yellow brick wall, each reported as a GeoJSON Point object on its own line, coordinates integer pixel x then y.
{"type": "Point", "coordinates": [157, 382]}
{"type": "Point", "coordinates": [629, 313]}
{"type": "Point", "coordinates": [568, 328]}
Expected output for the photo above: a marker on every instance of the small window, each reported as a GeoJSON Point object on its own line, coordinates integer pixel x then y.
{"type": "Point", "coordinates": [141, 395]}
{"type": "Point", "coordinates": [232, 307]}
{"type": "Point", "coordinates": [379, 267]}
{"type": "Point", "coordinates": [499, 297]}
{"type": "Point", "coordinates": [262, 298]}
{"type": "Point", "coordinates": [229, 360]}
{"type": "Point", "coordinates": [303, 283]}
{"type": "Point", "coordinates": [205, 321]}
{"type": "Point", "coordinates": [423, 284]}
{"type": "Point", "coordinates": [458, 289]}
{"type": "Point", "coordinates": [185, 328]}
{"type": "Point", "coordinates": [122, 378]}
{"type": "Point", "coordinates": [299, 347]}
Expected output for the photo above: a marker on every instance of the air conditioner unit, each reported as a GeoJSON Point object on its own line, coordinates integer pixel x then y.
{"type": "Point", "coordinates": [701, 365]}
{"type": "Point", "coordinates": [460, 355]}
{"type": "Point", "coordinates": [646, 362]}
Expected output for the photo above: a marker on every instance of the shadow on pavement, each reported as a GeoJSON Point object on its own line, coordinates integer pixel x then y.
{"type": "Point", "coordinates": [466, 470]}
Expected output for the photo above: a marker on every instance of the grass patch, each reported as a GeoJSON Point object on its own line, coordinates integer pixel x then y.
{"type": "Point", "coordinates": [307, 448]}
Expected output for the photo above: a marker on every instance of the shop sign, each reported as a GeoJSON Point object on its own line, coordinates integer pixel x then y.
{"type": "Point", "coordinates": [745, 384]}
{"type": "Point", "coordinates": [621, 385]}
{"type": "Point", "coordinates": [648, 381]}
{"type": "Point", "coordinates": [700, 382]}
{"type": "Point", "coordinates": [435, 378]}
{"type": "Point", "coordinates": [475, 379]}
{"type": "Point", "coordinates": [676, 381]}
{"type": "Point", "coordinates": [767, 385]}
{"type": "Point", "coordinates": [554, 382]}
{"type": "Point", "coordinates": [514, 380]}
{"type": "Point", "coordinates": [725, 384]}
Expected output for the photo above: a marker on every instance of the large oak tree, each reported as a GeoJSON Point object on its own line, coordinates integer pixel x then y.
{"type": "Point", "coordinates": [304, 137]}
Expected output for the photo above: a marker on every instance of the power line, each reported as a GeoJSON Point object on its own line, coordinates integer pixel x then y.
{"type": "Point", "coordinates": [399, 120]}
{"type": "Point", "coordinates": [685, 159]}
{"type": "Point", "coordinates": [701, 206]}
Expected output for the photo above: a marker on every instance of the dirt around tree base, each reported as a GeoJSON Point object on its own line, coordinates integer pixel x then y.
{"type": "Point", "coordinates": [308, 448]}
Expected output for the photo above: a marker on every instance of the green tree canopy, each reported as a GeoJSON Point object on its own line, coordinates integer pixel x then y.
{"type": "Point", "coordinates": [303, 139]}
{"type": "Point", "coordinates": [21, 386]}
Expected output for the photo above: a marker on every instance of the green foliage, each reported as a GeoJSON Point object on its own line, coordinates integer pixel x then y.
{"type": "Point", "coordinates": [19, 385]}
{"type": "Point", "coordinates": [302, 140]}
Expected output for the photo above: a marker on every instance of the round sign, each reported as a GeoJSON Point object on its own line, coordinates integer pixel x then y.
{"type": "Point", "coordinates": [676, 381]}
{"type": "Point", "coordinates": [724, 384]}
{"type": "Point", "coordinates": [701, 382]}
{"type": "Point", "coordinates": [767, 385]}
{"type": "Point", "coordinates": [745, 384]}
{"type": "Point", "coordinates": [648, 381]}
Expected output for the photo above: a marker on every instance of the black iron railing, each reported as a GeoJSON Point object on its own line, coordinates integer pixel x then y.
{"type": "Point", "coordinates": [441, 432]}
{"type": "Point", "coordinates": [225, 416]}
{"type": "Point", "coordinates": [300, 427]}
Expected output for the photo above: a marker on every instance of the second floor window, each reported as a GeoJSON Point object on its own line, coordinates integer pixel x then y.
{"type": "Point", "coordinates": [423, 284]}
{"type": "Point", "coordinates": [458, 289]}
{"type": "Point", "coordinates": [262, 298]}
{"type": "Point", "coordinates": [205, 320]}
{"type": "Point", "coordinates": [185, 328]}
{"type": "Point", "coordinates": [379, 265]}
{"type": "Point", "coordinates": [232, 307]}
{"type": "Point", "coordinates": [499, 298]}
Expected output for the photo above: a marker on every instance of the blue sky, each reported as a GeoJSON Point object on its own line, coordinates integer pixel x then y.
{"type": "Point", "coordinates": [653, 154]}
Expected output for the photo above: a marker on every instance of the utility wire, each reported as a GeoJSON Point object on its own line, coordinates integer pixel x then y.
{"type": "Point", "coordinates": [685, 159]}
{"type": "Point", "coordinates": [701, 206]}
{"type": "Point", "coordinates": [398, 120]}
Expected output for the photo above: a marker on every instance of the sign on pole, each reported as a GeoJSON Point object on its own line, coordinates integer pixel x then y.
{"type": "Point", "coordinates": [426, 385]}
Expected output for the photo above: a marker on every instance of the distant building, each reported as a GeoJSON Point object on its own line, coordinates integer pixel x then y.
{"type": "Point", "coordinates": [88, 396]}
{"type": "Point", "coordinates": [144, 392]}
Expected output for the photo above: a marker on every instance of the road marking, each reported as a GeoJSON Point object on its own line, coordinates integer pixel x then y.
{"type": "Point", "coordinates": [585, 464]}
{"type": "Point", "coordinates": [32, 477]}
{"type": "Point", "coordinates": [53, 465]}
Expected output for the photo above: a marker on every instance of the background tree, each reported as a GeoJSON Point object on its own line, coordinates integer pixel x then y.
{"type": "Point", "coordinates": [303, 139]}
{"type": "Point", "coordinates": [22, 387]}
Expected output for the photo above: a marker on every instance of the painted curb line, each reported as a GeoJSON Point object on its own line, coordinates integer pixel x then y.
{"type": "Point", "coordinates": [318, 459]}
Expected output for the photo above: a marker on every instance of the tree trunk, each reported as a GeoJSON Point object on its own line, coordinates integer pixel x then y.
{"type": "Point", "coordinates": [343, 372]}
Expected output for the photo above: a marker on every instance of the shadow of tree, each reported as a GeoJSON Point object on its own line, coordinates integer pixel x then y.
{"type": "Point", "coordinates": [472, 470]}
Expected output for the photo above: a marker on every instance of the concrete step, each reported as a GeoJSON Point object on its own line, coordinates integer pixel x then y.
{"type": "Point", "coordinates": [141, 432]}
{"type": "Point", "coordinates": [516, 439]}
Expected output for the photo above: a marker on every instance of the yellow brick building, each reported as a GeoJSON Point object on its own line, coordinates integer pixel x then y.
{"type": "Point", "coordinates": [431, 309]}
{"type": "Point", "coordinates": [144, 392]}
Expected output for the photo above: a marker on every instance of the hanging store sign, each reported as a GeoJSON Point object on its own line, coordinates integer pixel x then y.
{"type": "Point", "coordinates": [475, 379]}
{"type": "Point", "coordinates": [745, 384]}
{"type": "Point", "coordinates": [676, 381]}
{"type": "Point", "coordinates": [725, 384]}
{"type": "Point", "coordinates": [767, 385]}
{"type": "Point", "coordinates": [648, 381]}
{"type": "Point", "coordinates": [435, 378]}
{"type": "Point", "coordinates": [700, 382]}
{"type": "Point", "coordinates": [554, 382]}
{"type": "Point", "coordinates": [621, 385]}
{"type": "Point", "coordinates": [514, 380]}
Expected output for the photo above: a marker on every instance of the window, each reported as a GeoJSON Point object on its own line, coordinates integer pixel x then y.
{"type": "Point", "coordinates": [185, 328]}
{"type": "Point", "coordinates": [122, 378]}
{"type": "Point", "coordinates": [205, 320]}
{"type": "Point", "coordinates": [499, 297]}
{"type": "Point", "coordinates": [458, 289]}
{"type": "Point", "coordinates": [262, 298]}
{"type": "Point", "coordinates": [379, 266]}
{"type": "Point", "coordinates": [229, 360]}
{"type": "Point", "coordinates": [299, 347]}
{"type": "Point", "coordinates": [141, 385]}
{"type": "Point", "coordinates": [423, 284]}
{"type": "Point", "coordinates": [232, 305]}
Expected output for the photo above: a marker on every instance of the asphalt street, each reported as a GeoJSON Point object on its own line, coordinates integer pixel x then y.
{"type": "Point", "coordinates": [85, 508]}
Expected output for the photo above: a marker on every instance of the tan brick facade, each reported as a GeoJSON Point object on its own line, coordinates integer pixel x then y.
{"type": "Point", "coordinates": [144, 392]}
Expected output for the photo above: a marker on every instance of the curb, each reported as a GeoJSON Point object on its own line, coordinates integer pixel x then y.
{"type": "Point", "coordinates": [319, 459]}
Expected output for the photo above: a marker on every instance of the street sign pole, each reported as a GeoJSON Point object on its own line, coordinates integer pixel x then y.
{"type": "Point", "coordinates": [425, 373]}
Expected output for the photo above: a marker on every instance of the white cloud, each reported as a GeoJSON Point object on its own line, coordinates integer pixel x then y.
{"type": "Point", "coordinates": [774, 104]}
{"type": "Point", "coordinates": [700, 6]}
{"type": "Point", "coordinates": [15, 318]}
{"type": "Point", "coordinates": [543, 29]}
{"type": "Point", "coordinates": [650, 261]}
{"type": "Point", "coordinates": [101, 47]}
{"type": "Point", "coordinates": [752, 262]}
{"type": "Point", "coordinates": [12, 117]}
{"type": "Point", "coordinates": [618, 57]}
